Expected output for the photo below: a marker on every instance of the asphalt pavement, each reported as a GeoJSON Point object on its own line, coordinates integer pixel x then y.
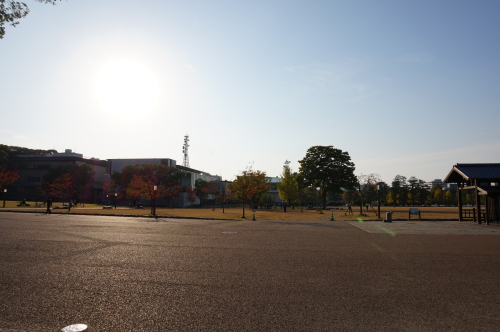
{"type": "Point", "coordinates": [142, 274]}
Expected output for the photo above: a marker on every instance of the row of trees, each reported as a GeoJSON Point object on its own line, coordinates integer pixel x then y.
{"type": "Point", "coordinates": [402, 192]}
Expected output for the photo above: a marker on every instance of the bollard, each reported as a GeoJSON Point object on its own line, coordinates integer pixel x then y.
{"type": "Point", "coordinates": [388, 216]}
{"type": "Point", "coordinates": [75, 328]}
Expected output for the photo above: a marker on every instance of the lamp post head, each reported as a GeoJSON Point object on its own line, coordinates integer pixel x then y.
{"type": "Point", "coordinates": [5, 190]}
{"type": "Point", "coordinates": [116, 194]}
{"type": "Point", "coordinates": [155, 187]}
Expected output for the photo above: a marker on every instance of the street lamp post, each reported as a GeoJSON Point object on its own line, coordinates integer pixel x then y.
{"type": "Point", "coordinates": [107, 200]}
{"type": "Point", "coordinates": [153, 206]}
{"type": "Point", "coordinates": [378, 201]}
{"type": "Point", "coordinates": [4, 193]}
{"type": "Point", "coordinates": [116, 198]}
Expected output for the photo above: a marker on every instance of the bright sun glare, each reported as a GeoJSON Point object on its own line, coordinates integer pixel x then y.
{"type": "Point", "coordinates": [126, 88]}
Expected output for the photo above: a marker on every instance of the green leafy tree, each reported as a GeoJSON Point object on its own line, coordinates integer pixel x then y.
{"type": "Point", "coordinates": [350, 196]}
{"type": "Point", "coordinates": [399, 190]}
{"type": "Point", "coordinates": [288, 188]}
{"type": "Point", "coordinates": [12, 11]}
{"type": "Point", "coordinates": [437, 194]}
{"type": "Point", "coordinates": [8, 154]}
{"type": "Point", "coordinates": [249, 186]}
{"type": "Point", "coordinates": [328, 169]}
{"type": "Point", "coordinates": [201, 187]}
{"type": "Point", "coordinates": [266, 200]}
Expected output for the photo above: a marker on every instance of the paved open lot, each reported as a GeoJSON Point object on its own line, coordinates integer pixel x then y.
{"type": "Point", "coordinates": [137, 274]}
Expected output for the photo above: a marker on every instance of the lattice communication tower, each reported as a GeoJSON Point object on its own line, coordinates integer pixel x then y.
{"type": "Point", "coordinates": [185, 151]}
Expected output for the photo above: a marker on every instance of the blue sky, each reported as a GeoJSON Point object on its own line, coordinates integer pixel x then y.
{"type": "Point", "coordinates": [406, 87]}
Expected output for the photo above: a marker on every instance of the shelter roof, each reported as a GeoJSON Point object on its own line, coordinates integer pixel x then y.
{"type": "Point", "coordinates": [489, 190]}
{"type": "Point", "coordinates": [461, 172]}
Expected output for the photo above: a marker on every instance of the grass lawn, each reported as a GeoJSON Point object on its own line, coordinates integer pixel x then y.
{"type": "Point", "coordinates": [236, 213]}
{"type": "Point", "coordinates": [13, 204]}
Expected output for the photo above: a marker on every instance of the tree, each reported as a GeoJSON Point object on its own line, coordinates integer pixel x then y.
{"type": "Point", "coordinates": [191, 195]}
{"type": "Point", "coordinates": [202, 189]}
{"type": "Point", "coordinates": [144, 188]}
{"type": "Point", "coordinates": [166, 176]}
{"type": "Point", "coordinates": [82, 180]}
{"type": "Point", "coordinates": [249, 186]}
{"type": "Point", "coordinates": [399, 190]}
{"type": "Point", "coordinates": [12, 11]}
{"type": "Point", "coordinates": [8, 154]}
{"type": "Point", "coordinates": [267, 200]}
{"type": "Point", "coordinates": [7, 177]}
{"type": "Point", "coordinates": [288, 188]}
{"type": "Point", "coordinates": [437, 194]}
{"type": "Point", "coordinates": [350, 196]}
{"type": "Point", "coordinates": [62, 187]}
{"type": "Point", "coordinates": [366, 185]}
{"type": "Point", "coordinates": [171, 191]}
{"type": "Point", "coordinates": [328, 169]}
{"type": "Point", "coordinates": [449, 197]}
{"type": "Point", "coordinates": [213, 191]}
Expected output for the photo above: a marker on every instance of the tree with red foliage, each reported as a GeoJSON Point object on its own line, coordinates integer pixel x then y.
{"type": "Point", "coordinates": [8, 177]}
{"type": "Point", "coordinates": [191, 195]}
{"type": "Point", "coordinates": [82, 181]}
{"type": "Point", "coordinates": [171, 191]}
{"type": "Point", "coordinates": [167, 177]}
{"type": "Point", "coordinates": [249, 186]}
{"type": "Point", "coordinates": [213, 190]}
{"type": "Point", "coordinates": [62, 187]}
{"type": "Point", "coordinates": [143, 187]}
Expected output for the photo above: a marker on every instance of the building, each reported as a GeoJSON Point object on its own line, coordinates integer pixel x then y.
{"type": "Point", "coordinates": [273, 187]}
{"type": "Point", "coordinates": [33, 167]}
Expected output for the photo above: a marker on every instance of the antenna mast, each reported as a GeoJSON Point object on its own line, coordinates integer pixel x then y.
{"type": "Point", "coordinates": [185, 151]}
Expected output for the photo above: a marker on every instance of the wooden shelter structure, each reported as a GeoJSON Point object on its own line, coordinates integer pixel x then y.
{"type": "Point", "coordinates": [484, 179]}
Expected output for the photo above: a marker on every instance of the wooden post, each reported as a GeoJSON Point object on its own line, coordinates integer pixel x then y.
{"type": "Point", "coordinates": [478, 204]}
{"type": "Point", "coordinates": [419, 219]}
{"type": "Point", "coordinates": [486, 208]}
{"type": "Point", "coordinates": [459, 192]}
{"type": "Point", "coordinates": [474, 214]}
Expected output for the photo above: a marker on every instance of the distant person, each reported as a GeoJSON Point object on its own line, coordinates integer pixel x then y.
{"type": "Point", "coordinates": [349, 208]}
{"type": "Point", "coordinates": [284, 206]}
{"type": "Point", "coordinates": [70, 204]}
{"type": "Point", "coordinates": [49, 204]}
